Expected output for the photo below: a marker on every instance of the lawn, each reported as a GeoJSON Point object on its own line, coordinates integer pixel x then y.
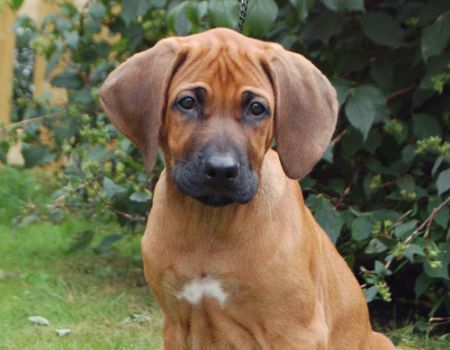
{"type": "Point", "coordinates": [92, 295]}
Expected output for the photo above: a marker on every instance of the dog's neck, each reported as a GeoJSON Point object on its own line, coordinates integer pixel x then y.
{"type": "Point", "coordinates": [188, 218]}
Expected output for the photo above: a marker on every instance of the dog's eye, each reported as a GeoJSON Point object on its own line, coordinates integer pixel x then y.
{"type": "Point", "coordinates": [187, 102]}
{"type": "Point", "coordinates": [257, 108]}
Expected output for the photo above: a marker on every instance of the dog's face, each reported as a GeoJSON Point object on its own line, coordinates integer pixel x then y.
{"type": "Point", "coordinates": [214, 102]}
{"type": "Point", "coordinates": [218, 125]}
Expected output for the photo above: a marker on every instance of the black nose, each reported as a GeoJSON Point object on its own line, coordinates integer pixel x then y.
{"type": "Point", "coordinates": [221, 167]}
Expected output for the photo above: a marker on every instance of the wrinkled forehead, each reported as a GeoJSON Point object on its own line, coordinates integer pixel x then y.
{"type": "Point", "coordinates": [223, 66]}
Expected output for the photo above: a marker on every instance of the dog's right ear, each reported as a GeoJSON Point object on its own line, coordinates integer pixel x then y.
{"type": "Point", "coordinates": [134, 96]}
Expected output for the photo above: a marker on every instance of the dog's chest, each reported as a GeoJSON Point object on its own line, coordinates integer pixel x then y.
{"type": "Point", "coordinates": [206, 290]}
{"type": "Point", "coordinates": [194, 291]}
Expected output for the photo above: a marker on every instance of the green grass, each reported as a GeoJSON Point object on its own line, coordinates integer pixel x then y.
{"type": "Point", "coordinates": [90, 294]}
{"type": "Point", "coordinates": [409, 340]}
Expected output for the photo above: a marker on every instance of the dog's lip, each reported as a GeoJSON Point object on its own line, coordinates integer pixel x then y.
{"type": "Point", "coordinates": [215, 200]}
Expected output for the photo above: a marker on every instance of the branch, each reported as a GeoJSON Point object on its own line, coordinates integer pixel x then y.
{"type": "Point", "coordinates": [400, 92]}
{"type": "Point", "coordinates": [128, 216]}
{"type": "Point", "coordinates": [346, 191]}
{"type": "Point", "coordinates": [33, 120]}
{"type": "Point", "coordinates": [338, 137]}
{"type": "Point", "coordinates": [428, 220]}
{"type": "Point", "coordinates": [427, 223]}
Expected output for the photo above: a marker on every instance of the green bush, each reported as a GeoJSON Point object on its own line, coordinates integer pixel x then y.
{"type": "Point", "coordinates": [382, 189]}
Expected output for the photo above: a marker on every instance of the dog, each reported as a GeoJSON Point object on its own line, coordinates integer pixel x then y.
{"type": "Point", "coordinates": [234, 257]}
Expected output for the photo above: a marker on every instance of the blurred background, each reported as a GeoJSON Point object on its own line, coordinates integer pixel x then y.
{"type": "Point", "coordinates": [74, 195]}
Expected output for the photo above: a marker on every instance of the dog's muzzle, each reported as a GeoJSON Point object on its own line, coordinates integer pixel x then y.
{"type": "Point", "coordinates": [216, 178]}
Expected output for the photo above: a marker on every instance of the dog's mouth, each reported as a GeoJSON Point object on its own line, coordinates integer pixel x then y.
{"type": "Point", "coordinates": [215, 200]}
{"type": "Point", "coordinates": [216, 178]}
{"type": "Point", "coordinates": [190, 183]}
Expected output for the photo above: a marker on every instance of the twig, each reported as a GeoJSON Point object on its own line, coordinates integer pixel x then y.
{"type": "Point", "coordinates": [440, 320]}
{"type": "Point", "coordinates": [427, 223]}
{"type": "Point", "coordinates": [400, 92]}
{"type": "Point", "coordinates": [428, 220]}
{"type": "Point", "coordinates": [346, 191]}
{"type": "Point", "coordinates": [128, 216]}
{"type": "Point", "coordinates": [339, 137]}
{"type": "Point", "coordinates": [33, 120]}
{"type": "Point", "coordinates": [404, 215]}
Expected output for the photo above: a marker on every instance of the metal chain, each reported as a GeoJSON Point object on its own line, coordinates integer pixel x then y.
{"type": "Point", "coordinates": [242, 15]}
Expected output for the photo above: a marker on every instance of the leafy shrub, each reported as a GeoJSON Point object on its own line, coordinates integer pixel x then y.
{"type": "Point", "coordinates": [382, 189]}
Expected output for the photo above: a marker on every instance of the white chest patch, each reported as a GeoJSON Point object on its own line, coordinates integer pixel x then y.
{"type": "Point", "coordinates": [197, 289]}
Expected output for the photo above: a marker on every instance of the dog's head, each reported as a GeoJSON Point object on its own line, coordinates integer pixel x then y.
{"type": "Point", "coordinates": [214, 102]}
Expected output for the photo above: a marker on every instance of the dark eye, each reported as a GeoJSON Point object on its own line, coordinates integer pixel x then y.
{"type": "Point", "coordinates": [257, 108]}
{"type": "Point", "coordinates": [187, 102]}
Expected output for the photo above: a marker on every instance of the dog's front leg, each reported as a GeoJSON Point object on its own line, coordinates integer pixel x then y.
{"type": "Point", "coordinates": [174, 337]}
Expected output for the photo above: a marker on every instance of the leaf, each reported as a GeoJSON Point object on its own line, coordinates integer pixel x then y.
{"type": "Point", "coordinates": [136, 318]}
{"type": "Point", "coordinates": [425, 125]}
{"type": "Point", "coordinates": [97, 153]}
{"type": "Point", "coordinates": [178, 19]}
{"type": "Point", "coordinates": [195, 10]}
{"type": "Point", "coordinates": [382, 72]}
{"type": "Point", "coordinates": [93, 25]}
{"type": "Point", "coordinates": [37, 155]}
{"type": "Point", "coordinates": [370, 293]}
{"type": "Point", "coordinates": [53, 61]}
{"type": "Point", "coordinates": [375, 247]}
{"type": "Point", "coordinates": [436, 36]}
{"type": "Point", "coordinates": [343, 88]}
{"type": "Point", "coordinates": [382, 29]}
{"type": "Point", "coordinates": [15, 4]}
{"type": "Point", "coordinates": [112, 189]}
{"type": "Point", "coordinates": [157, 3]}
{"type": "Point", "coordinates": [97, 10]}
{"type": "Point", "coordinates": [330, 219]}
{"type": "Point", "coordinates": [443, 182]}
{"type": "Point", "coordinates": [39, 320]}
{"type": "Point", "coordinates": [436, 165]}
{"type": "Point", "coordinates": [329, 153]}
{"type": "Point", "coordinates": [442, 217]}
{"type": "Point", "coordinates": [343, 5]}
{"type": "Point", "coordinates": [107, 243]}
{"type": "Point", "coordinates": [71, 39]}
{"type": "Point", "coordinates": [408, 153]}
{"type": "Point", "coordinates": [140, 197]}
{"type": "Point", "coordinates": [412, 250]}
{"type": "Point", "coordinates": [303, 7]}
{"type": "Point", "coordinates": [407, 183]}
{"type": "Point", "coordinates": [69, 79]}
{"type": "Point", "coordinates": [361, 228]}
{"type": "Point", "coordinates": [422, 284]}
{"type": "Point", "coordinates": [436, 272]}
{"type": "Point", "coordinates": [261, 16]}
{"type": "Point", "coordinates": [362, 107]}
{"type": "Point", "coordinates": [404, 229]}
{"type": "Point", "coordinates": [381, 270]}
{"type": "Point", "coordinates": [131, 9]}
{"type": "Point", "coordinates": [223, 13]}
{"type": "Point", "coordinates": [323, 27]}
{"type": "Point", "coordinates": [56, 215]}
{"type": "Point", "coordinates": [62, 332]}
{"type": "Point", "coordinates": [81, 241]}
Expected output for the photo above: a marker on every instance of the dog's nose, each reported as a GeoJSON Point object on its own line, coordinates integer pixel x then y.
{"type": "Point", "coordinates": [221, 167]}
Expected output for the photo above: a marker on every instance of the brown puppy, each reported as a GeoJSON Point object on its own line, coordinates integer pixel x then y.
{"type": "Point", "coordinates": [232, 254]}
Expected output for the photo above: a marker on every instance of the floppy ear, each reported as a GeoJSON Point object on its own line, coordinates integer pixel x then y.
{"type": "Point", "coordinates": [134, 94]}
{"type": "Point", "coordinates": [305, 112]}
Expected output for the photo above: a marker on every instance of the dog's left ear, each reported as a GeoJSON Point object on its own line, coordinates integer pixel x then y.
{"type": "Point", "coordinates": [305, 112]}
{"type": "Point", "coordinates": [134, 95]}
